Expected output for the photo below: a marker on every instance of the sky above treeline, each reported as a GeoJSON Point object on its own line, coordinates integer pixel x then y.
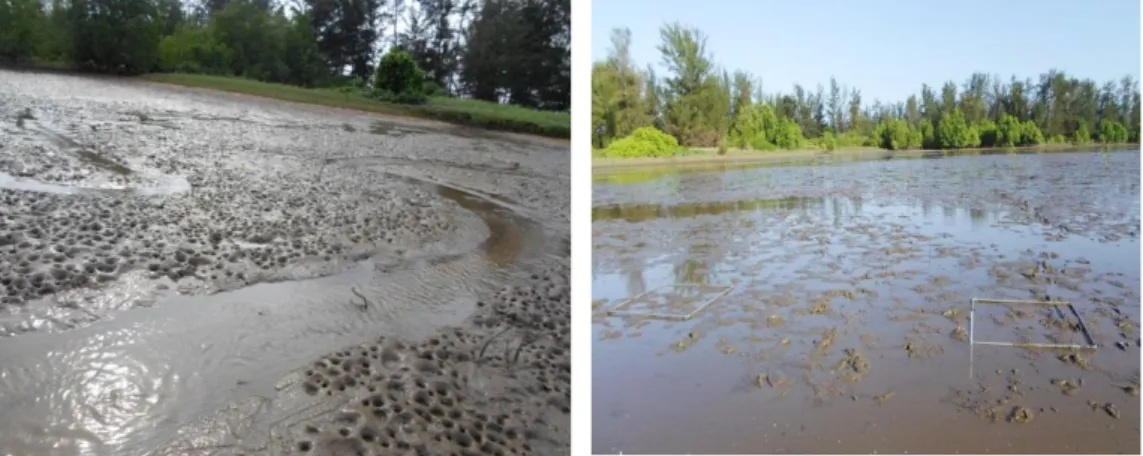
{"type": "Point", "coordinates": [887, 48]}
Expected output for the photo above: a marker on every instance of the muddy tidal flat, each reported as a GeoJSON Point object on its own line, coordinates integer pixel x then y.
{"type": "Point", "coordinates": [191, 272]}
{"type": "Point", "coordinates": [830, 306]}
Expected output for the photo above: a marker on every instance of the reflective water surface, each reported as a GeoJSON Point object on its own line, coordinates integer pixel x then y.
{"type": "Point", "coordinates": [847, 325]}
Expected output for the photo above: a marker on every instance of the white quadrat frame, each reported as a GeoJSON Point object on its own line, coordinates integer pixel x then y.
{"type": "Point", "coordinates": [661, 316]}
{"type": "Point", "coordinates": [972, 342]}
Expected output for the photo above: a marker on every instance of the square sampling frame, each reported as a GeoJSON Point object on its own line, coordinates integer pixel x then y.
{"type": "Point", "coordinates": [1091, 345]}
{"type": "Point", "coordinates": [680, 317]}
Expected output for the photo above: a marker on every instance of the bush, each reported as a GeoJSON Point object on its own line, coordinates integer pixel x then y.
{"type": "Point", "coordinates": [1030, 134]}
{"type": "Point", "coordinates": [644, 142]}
{"type": "Point", "coordinates": [1009, 132]}
{"type": "Point", "coordinates": [1112, 132]}
{"type": "Point", "coordinates": [829, 141]}
{"type": "Point", "coordinates": [193, 50]}
{"type": "Point", "coordinates": [928, 135]}
{"type": "Point", "coordinates": [398, 78]}
{"type": "Point", "coordinates": [989, 134]}
{"type": "Point", "coordinates": [897, 135]}
{"type": "Point", "coordinates": [953, 132]}
{"type": "Point", "coordinates": [788, 134]}
{"type": "Point", "coordinates": [1081, 135]}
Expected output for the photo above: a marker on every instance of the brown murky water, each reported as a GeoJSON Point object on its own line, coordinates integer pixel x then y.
{"type": "Point", "coordinates": [179, 267]}
{"type": "Point", "coordinates": [846, 328]}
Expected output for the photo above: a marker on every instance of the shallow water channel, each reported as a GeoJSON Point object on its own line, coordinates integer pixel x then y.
{"type": "Point", "coordinates": [837, 300]}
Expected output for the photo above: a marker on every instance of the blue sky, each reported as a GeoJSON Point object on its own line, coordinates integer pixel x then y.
{"type": "Point", "coordinates": [888, 48]}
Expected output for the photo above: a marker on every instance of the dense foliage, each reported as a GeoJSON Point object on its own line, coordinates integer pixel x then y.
{"type": "Point", "coordinates": [398, 79]}
{"type": "Point", "coordinates": [703, 106]}
{"type": "Point", "coordinates": [643, 142]}
{"type": "Point", "coordinates": [507, 51]}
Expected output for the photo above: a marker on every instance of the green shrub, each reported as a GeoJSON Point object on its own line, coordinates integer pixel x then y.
{"type": "Point", "coordinates": [953, 132]}
{"type": "Point", "coordinates": [829, 141]}
{"type": "Point", "coordinates": [928, 135]}
{"type": "Point", "coordinates": [193, 50]}
{"type": "Point", "coordinates": [1030, 134]}
{"type": "Point", "coordinates": [643, 142]}
{"type": "Point", "coordinates": [1009, 132]}
{"type": "Point", "coordinates": [1111, 131]}
{"type": "Point", "coordinates": [398, 79]}
{"type": "Point", "coordinates": [788, 134]}
{"type": "Point", "coordinates": [897, 135]}
{"type": "Point", "coordinates": [989, 134]}
{"type": "Point", "coordinates": [1081, 135]}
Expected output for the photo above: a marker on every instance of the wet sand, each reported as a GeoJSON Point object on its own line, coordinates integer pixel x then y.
{"type": "Point", "coordinates": [187, 272]}
{"type": "Point", "coordinates": [846, 328]}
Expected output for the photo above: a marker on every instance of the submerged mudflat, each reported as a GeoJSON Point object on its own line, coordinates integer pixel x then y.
{"type": "Point", "coordinates": [846, 325]}
{"type": "Point", "coordinates": [187, 272]}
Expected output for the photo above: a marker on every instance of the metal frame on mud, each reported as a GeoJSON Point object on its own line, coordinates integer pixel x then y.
{"type": "Point", "coordinates": [1090, 345]}
{"type": "Point", "coordinates": [680, 317]}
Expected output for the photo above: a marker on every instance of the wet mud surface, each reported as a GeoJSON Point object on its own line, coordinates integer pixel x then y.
{"type": "Point", "coordinates": [186, 272]}
{"type": "Point", "coordinates": [847, 326]}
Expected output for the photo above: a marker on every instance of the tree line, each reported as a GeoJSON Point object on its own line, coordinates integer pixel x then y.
{"type": "Point", "coordinates": [514, 51]}
{"type": "Point", "coordinates": [702, 106]}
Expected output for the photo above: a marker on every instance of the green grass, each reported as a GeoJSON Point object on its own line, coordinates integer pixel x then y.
{"type": "Point", "coordinates": [474, 113]}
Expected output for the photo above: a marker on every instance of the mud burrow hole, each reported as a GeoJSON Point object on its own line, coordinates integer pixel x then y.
{"type": "Point", "coordinates": [419, 398]}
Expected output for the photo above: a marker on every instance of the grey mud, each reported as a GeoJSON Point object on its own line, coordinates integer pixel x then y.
{"type": "Point", "coordinates": [189, 272]}
{"type": "Point", "coordinates": [846, 328]}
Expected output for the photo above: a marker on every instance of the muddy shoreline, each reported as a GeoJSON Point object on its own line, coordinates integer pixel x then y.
{"type": "Point", "coordinates": [604, 166]}
{"type": "Point", "coordinates": [229, 275]}
{"type": "Point", "coordinates": [846, 325]}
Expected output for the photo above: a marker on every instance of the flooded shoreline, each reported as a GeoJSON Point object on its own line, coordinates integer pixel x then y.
{"type": "Point", "coordinates": [192, 257]}
{"type": "Point", "coordinates": [846, 327]}
{"type": "Point", "coordinates": [605, 168]}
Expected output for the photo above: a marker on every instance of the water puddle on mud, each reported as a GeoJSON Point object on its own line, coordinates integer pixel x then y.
{"type": "Point", "coordinates": [161, 185]}
{"type": "Point", "coordinates": [124, 385]}
{"type": "Point", "coordinates": [69, 145]}
{"type": "Point", "coordinates": [506, 237]}
{"type": "Point", "coordinates": [846, 328]}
